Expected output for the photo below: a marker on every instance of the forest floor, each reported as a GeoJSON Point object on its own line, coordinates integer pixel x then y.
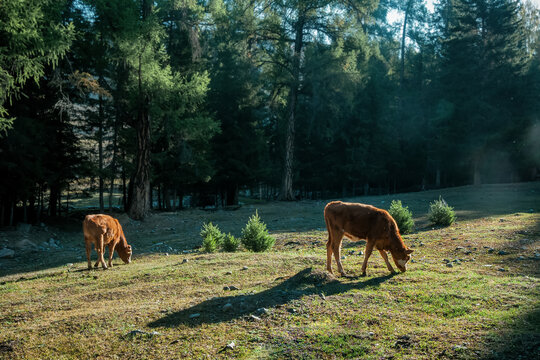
{"type": "Point", "coordinates": [471, 292]}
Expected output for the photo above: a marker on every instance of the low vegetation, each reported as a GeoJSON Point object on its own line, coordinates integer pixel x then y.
{"type": "Point", "coordinates": [440, 213]}
{"type": "Point", "coordinates": [212, 237]}
{"type": "Point", "coordinates": [230, 243]}
{"type": "Point", "coordinates": [470, 291]}
{"type": "Point", "coordinates": [255, 236]}
{"type": "Point", "coordinates": [402, 216]}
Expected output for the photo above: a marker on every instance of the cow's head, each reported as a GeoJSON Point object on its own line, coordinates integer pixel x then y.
{"type": "Point", "coordinates": [125, 254]}
{"type": "Point", "coordinates": [401, 258]}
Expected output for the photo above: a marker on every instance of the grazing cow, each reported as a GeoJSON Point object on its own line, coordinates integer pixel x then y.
{"type": "Point", "coordinates": [359, 221]}
{"type": "Point", "coordinates": [101, 230]}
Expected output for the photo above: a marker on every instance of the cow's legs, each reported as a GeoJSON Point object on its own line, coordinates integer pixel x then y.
{"type": "Point", "coordinates": [88, 244]}
{"type": "Point", "coordinates": [100, 248]}
{"type": "Point", "coordinates": [369, 249]}
{"type": "Point", "coordinates": [385, 257]}
{"type": "Point", "coordinates": [329, 254]}
{"type": "Point", "coordinates": [336, 248]}
{"type": "Point", "coordinates": [111, 253]}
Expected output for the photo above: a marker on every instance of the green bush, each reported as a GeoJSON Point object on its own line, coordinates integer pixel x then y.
{"type": "Point", "coordinates": [230, 243]}
{"type": "Point", "coordinates": [403, 216]}
{"type": "Point", "coordinates": [255, 237]}
{"type": "Point", "coordinates": [440, 213]}
{"type": "Point", "coordinates": [212, 237]}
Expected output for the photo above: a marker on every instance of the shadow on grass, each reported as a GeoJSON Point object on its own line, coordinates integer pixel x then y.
{"type": "Point", "coordinates": [521, 340]}
{"type": "Point", "coordinates": [304, 283]}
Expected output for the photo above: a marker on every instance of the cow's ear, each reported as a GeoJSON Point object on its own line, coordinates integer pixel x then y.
{"type": "Point", "coordinates": [409, 251]}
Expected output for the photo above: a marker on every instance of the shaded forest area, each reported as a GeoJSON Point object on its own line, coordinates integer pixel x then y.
{"type": "Point", "coordinates": [158, 100]}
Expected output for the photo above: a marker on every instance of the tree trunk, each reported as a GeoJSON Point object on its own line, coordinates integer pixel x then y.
{"type": "Point", "coordinates": [100, 153]}
{"type": "Point", "coordinates": [140, 181]}
{"type": "Point", "coordinates": [11, 213]}
{"type": "Point", "coordinates": [139, 201]}
{"type": "Point", "coordinates": [53, 200]}
{"type": "Point", "coordinates": [113, 164]}
{"type": "Point", "coordinates": [287, 181]}
{"type": "Point", "coordinates": [476, 173]}
{"type": "Point", "coordinates": [232, 194]}
{"type": "Point", "coordinates": [403, 37]}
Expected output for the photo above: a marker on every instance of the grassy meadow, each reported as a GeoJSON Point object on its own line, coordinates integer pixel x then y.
{"type": "Point", "coordinates": [471, 291]}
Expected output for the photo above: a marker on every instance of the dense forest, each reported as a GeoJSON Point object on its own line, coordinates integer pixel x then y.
{"type": "Point", "coordinates": [161, 100]}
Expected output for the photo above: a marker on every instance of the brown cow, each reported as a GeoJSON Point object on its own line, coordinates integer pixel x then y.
{"type": "Point", "coordinates": [359, 221]}
{"type": "Point", "coordinates": [101, 230]}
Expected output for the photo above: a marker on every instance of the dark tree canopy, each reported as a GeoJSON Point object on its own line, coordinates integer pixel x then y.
{"type": "Point", "coordinates": [172, 103]}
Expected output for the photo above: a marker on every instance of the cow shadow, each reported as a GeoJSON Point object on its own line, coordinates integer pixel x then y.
{"type": "Point", "coordinates": [304, 283]}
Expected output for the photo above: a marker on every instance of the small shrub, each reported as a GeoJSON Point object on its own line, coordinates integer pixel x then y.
{"type": "Point", "coordinates": [212, 237]}
{"type": "Point", "coordinates": [255, 237]}
{"type": "Point", "coordinates": [440, 213]}
{"type": "Point", "coordinates": [403, 216]}
{"type": "Point", "coordinates": [230, 243]}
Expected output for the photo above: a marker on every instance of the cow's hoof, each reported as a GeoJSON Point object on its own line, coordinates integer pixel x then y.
{"type": "Point", "coordinates": [363, 275]}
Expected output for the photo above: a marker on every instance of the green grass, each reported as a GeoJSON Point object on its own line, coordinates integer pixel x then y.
{"type": "Point", "coordinates": [50, 310]}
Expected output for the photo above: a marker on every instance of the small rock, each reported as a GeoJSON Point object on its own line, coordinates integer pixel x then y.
{"type": "Point", "coordinates": [521, 258]}
{"type": "Point", "coordinates": [228, 273]}
{"type": "Point", "coordinates": [166, 254]}
{"type": "Point", "coordinates": [254, 318]}
{"type": "Point", "coordinates": [292, 310]}
{"type": "Point", "coordinates": [226, 288]}
{"type": "Point", "coordinates": [449, 265]}
{"type": "Point", "coordinates": [23, 227]}
{"type": "Point", "coordinates": [490, 250]}
{"type": "Point", "coordinates": [460, 248]}
{"type": "Point", "coordinates": [245, 268]}
{"type": "Point", "coordinates": [501, 269]}
{"type": "Point", "coordinates": [69, 264]}
{"type": "Point", "coordinates": [446, 260]}
{"type": "Point", "coordinates": [185, 261]}
{"type": "Point", "coordinates": [421, 244]}
{"type": "Point", "coordinates": [322, 296]}
{"type": "Point", "coordinates": [262, 311]}
{"type": "Point", "coordinates": [227, 307]}
{"type": "Point", "coordinates": [26, 244]}
{"type": "Point", "coordinates": [193, 316]}
{"type": "Point", "coordinates": [343, 257]}
{"type": "Point", "coordinates": [142, 333]}
{"type": "Point", "coordinates": [502, 252]}
{"type": "Point", "coordinates": [351, 252]}
{"type": "Point", "coordinates": [6, 253]}
{"type": "Point", "coordinates": [360, 253]}
{"type": "Point", "coordinates": [371, 333]}
{"type": "Point", "coordinates": [229, 346]}
{"type": "Point", "coordinates": [232, 287]}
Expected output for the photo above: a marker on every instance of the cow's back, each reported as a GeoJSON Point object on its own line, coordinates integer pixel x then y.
{"type": "Point", "coordinates": [99, 224]}
{"type": "Point", "coordinates": [359, 220]}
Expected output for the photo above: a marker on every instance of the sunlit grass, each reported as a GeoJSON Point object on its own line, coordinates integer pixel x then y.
{"type": "Point", "coordinates": [471, 310]}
